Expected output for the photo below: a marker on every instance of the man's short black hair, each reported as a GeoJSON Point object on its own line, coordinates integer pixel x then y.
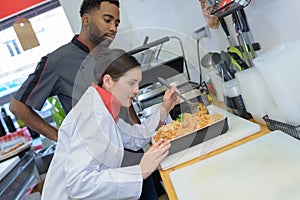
{"type": "Point", "coordinates": [88, 5]}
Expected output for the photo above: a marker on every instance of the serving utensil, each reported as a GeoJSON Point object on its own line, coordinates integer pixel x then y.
{"type": "Point", "coordinates": [193, 106]}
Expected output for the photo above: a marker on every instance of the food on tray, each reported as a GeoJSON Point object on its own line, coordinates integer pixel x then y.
{"type": "Point", "coordinates": [16, 146]}
{"type": "Point", "coordinates": [187, 123]}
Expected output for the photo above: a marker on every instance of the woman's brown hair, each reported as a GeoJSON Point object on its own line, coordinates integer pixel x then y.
{"type": "Point", "coordinates": [114, 62]}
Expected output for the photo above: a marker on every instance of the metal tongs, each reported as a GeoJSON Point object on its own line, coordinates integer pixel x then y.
{"type": "Point", "coordinates": [193, 106]}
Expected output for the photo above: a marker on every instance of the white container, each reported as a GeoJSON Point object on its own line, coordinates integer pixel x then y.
{"type": "Point", "coordinates": [280, 70]}
{"type": "Point", "coordinates": [218, 84]}
{"type": "Point", "coordinates": [232, 88]}
{"type": "Point", "coordinates": [256, 96]}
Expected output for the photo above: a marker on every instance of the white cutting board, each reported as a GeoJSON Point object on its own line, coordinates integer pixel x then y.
{"type": "Point", "coordinates": [239, 128]}
{"type": "Point", "coordinates": [267, 168]}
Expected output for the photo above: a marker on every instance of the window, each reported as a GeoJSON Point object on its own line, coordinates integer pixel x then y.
{"type": "Point", "coordinates": [52, 29]}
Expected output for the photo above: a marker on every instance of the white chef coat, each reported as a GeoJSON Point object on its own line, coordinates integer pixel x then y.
{"type": "Point", "coordinates": [90, 148]}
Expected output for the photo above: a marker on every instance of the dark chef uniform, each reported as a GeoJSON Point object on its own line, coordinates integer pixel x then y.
{"type": "Point", "coordinates": [55, 75]}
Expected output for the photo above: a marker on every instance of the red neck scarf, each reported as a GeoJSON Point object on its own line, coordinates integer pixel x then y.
{"type": "Point", "coordinates": [111, 103]}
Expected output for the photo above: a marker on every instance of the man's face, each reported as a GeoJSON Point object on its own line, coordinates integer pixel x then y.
{"type": "Point", "coordinates": [103, 24]}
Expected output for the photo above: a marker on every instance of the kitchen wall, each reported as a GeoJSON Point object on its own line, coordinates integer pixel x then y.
{"type": "Point", "coordinates": [71, 9]}
{"type": "Point", "coordinates": [271, 23]}
{"type": "Point", "coordinates": [274, 22]}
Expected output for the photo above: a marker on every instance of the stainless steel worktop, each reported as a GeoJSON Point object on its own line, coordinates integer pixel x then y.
{"type": "Point", "coordinates": [21, 179]}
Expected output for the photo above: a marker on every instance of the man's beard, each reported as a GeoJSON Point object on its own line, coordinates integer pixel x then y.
{"type": "Point", "coordinates": [96, 37]}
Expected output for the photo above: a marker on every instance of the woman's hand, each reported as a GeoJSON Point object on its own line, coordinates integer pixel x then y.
{"type": "Point", "coordinates": [169, 101]}
{"type": "Point", "coordinates": [154, 156]}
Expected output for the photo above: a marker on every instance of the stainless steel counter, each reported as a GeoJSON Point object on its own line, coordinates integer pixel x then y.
{"type": "Point", "coordinates": [21, 179]}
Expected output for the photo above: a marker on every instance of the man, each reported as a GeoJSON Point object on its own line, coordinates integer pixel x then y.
{"type": "Point", "coordinates": [56, 73]}
{"type": "Point", "coordinates": [61, 72]}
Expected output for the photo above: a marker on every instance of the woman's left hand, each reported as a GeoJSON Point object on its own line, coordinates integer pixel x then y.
{"type": "Point", "coordinates": [151, 159]}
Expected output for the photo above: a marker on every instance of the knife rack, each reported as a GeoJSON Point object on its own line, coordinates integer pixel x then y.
{"type": "Point", "coordinates": [222, 8]}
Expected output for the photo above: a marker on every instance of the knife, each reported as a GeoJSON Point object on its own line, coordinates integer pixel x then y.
{"type": "Point", "coordinates": [246, 30]}
{"type": "Point", "coordinates": [225, 29]}
{"type": "Point", "coordinates": [241, 39]}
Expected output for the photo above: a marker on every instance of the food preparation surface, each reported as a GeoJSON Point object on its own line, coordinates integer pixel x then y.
{"type": "Point", "coordinates": [238, 128]}
{"type": "Point", "coordinates": [265, 168]}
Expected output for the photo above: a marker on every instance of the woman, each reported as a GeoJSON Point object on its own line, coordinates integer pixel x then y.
{"type": "Point", "coordinates": [91, 140]}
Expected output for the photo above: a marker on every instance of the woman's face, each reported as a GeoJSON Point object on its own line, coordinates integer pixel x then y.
{"type": "Point", "coordinates": [127, 87]}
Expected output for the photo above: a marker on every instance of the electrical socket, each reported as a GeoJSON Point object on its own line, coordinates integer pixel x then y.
{"type": "Point", "coordinates": [201, 33]}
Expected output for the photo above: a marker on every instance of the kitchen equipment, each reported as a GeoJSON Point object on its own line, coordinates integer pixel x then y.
{"type": "Point", "coordinates": [217, 82]}
{"type": "Point", "coordinates": [241, 39]}
{"type": "Point", "coordinates": [236, 104]}
{"type": "Point", "coordinates": [225, 29]}
{"type": "Point", "coordinates": [239, 128]}
{"type": "Point", "coordinates": [21, 179]}
{"type": "Point", "coordinates": [264, 168]}
{"type": "Point", "coordinates": [226, 58]}
{"type": "Point", "coordinates": [2, 130]}
{"type": "Point", "coordinates": [236, 51]}
{"type": "Point", "coordinates": [193, 105]}
{"type": "Point", "coordinates": [219, 66]}
{"type": "Point", "coordinates": [44, 157]}
{"type": "Point", "coordinates": [174, 70]}
{"type": "Point", "coordinates": [216, 76]}
{"type": "Point", "coordinates": [246, 31]}
{"type": "Point", "coordinates": [291, 130]}
{"type": "Point", "coordinates": [234, 100]}
{"type": "Point", "coordinates": [223, 8]}
{"type": "Point", "coordinates": [160, 42]}
{"type": "Point", "coordinates": [256, 95]}
{"type": "Point", "coordinates": [237, 58]}
{"type": "Point", "coordinates": [150, 97]}
{"type": "Point", "coordinates": [8, 121]}
{"type": "Point", "coordinates": [206, 60]}
{"type": "Point", "coordinates": [223, 71]}
{"type": "Point", "coordinates": [208, 65]}
{"type": "Point", "coordinates": [231, 88]}
{"type": "Point", "coordinates": [216, 58]}
{"type": "Point", "coordinates": [222, 63]}
{"type": "Point", "coordinates": [279, 68]}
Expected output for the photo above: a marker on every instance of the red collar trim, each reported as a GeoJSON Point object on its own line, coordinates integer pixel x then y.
{"type": "Point", "coordinates": [111, 103]}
